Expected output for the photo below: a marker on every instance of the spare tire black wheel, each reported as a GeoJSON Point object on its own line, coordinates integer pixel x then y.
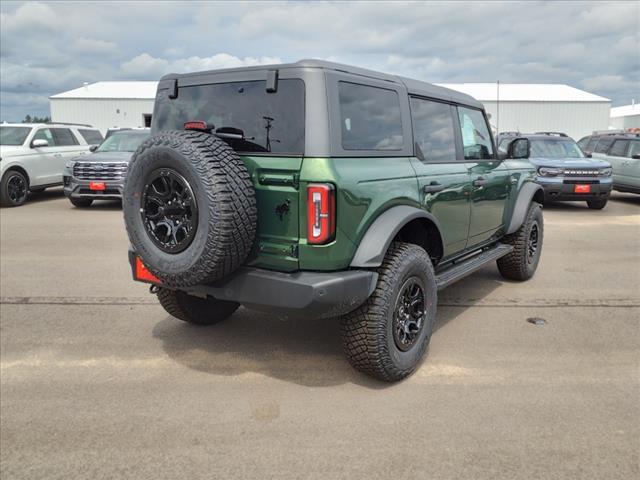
{"type": "Point", "coordinates": [189, 207]}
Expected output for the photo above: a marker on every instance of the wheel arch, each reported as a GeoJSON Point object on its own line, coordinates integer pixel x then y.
{"type": "Point", "coordinates": [17, 167]}
{"type": "Point", "coordinates": [404, 223]}
{"type": "Point", "coordinates": [529, 192]}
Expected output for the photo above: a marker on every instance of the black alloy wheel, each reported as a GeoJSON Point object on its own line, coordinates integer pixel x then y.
{"type": "Point", "coordinates": [16, 188]}
{"type": "Point", "coordinates": [532, 243]}
{"type": "Point", "coordinates": [409, 314]}
{"type": "Point", "coordinates": [169, 210]}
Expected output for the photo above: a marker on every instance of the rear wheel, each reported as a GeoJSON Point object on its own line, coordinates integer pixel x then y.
{"type": "Point", "coordinates": [81, 202]}
{"type": "Point", "coordinates": [523, 260]}
{"type": "Point", "coordinates": [13, 188]}
{"type": "Point", "coordinates": [597, 204]}
{"type": "Point", "coordinates": [196, 310]}
{"type": "Point", "coordinates": [388, 335]}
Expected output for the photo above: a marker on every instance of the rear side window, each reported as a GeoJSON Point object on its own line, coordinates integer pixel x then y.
{"type": "Point", "coordinates": [92, 137]}
{"type": "Point", "coordinates": [254, 120]}
{"type": "Point", "coordinates": [433, 130]}
{"type": "Point", "coordinates": [619, 148]}
{"type": "Point", "coordinates": [591, 144]}
{"type": "Point", "coordinates": [603, 145]}
{"type": "Point", "coordinates": [370, 117]}
{"type": "Point", "coordinates": [635, 148]}
{"type": "Point", "coordinates": [64, 137]}
{"type": "Point", "coordinates": [45, 134]}
{"type": "Point", "coordinates": [476, 139]}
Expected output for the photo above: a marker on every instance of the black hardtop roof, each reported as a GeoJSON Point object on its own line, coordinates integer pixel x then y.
{"type": "Point", "coordinates": [414, 87]}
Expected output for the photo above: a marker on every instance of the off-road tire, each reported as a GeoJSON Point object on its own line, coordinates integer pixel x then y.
{"type": "Point", "coordinates": [226, 206]}
{"type": "Point", "coordinates": [81, 202]}
{"type": "Point", "coordinates": [367, 335]}
{"type": "Point", "coordinates": [5, 199]}
{"type": "Point", "coordinates": [597, 204]}
{"type": "Point", "coordinates": [519, 264]}
{"type": "Point", "coordinates": [196, 310]}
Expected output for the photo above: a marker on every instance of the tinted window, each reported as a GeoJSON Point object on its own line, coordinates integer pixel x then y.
{"type": "Point", "coordinates": [603, 145]}
{"type": "Point", "coordinates": [619, 148]}
{"type": "Point", "coordinates": [13, 135]}
{"type": "Point", "coordinates": [582, 143]}
{"type": "Point", "coordinates": [64, 137]}
{"type": "Point", "coordinates": [476, 139]}
{"type": "Point", "coordinates": [260, 121]}
{"type": "Point", "coordinates": [433, 130]}
{"type": "Point", "coordinates": [551, 148]}
{"type": "Point", "coordinates": [127, 141]}
{"type": "Point", "coordinates": [370, 118]}
{"type": "Point", "coordinates": [45, 134]}
{"type": "Point", "coordinates": [92, 137]}
{"type": "Point", "coordinates": [591, 144]}
{"type": "Point", "coordinates": [635, 148]}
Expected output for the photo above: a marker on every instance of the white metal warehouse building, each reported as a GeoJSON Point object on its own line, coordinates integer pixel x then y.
{"type": "Point", "coordinates": [106, 104]}
{"type": "Point", "coordinates": [627, 116]}
{"type": "Point", "coordinates": [513, 107]}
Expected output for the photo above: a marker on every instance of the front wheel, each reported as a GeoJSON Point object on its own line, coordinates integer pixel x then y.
{"type": "Point", "coordinates": [597, 204]}
{"type": "Point", "coordinates": [196, 310]}
{"type": "Point", "coordinates": [13, 189]}
{"type": "Point", "coordinates": [81, 202]}
{"type": "Point", "coordinates": [521, 263]}
{"type": "Point", "coordinates": [388, 335]}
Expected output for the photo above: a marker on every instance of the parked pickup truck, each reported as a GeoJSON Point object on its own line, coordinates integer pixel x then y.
{"type": "Point", "coordinates": [319, 189]}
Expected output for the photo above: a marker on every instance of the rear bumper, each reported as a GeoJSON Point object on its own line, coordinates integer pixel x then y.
{"type": "Point", "coordinates": [564, 189]}
{"type": "Point", "coordinates": [309, 294]}
{"type": "Point", "coordinates": [76, 188]}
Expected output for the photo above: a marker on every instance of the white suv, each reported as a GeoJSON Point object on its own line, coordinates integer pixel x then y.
{"type": "Point", "coordinates": [33, 156]}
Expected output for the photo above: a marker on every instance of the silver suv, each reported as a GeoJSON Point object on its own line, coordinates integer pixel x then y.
{"type": "Point", "coordinates": [33, 156]}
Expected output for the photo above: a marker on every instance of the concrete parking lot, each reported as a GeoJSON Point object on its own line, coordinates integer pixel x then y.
{"type": "Point", "coordinates": [97, 381]}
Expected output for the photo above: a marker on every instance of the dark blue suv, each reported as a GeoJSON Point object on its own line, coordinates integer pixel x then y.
{"type": "Point", "coordinates": [563, 170]}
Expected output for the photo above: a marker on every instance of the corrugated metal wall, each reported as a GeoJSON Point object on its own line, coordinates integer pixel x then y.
{"type": "Point", "coordinates": [101, 113]}
{"type": "Point", "coordinates": [631, 121]}
{"type": "Point", "coordinates": [576, 119]}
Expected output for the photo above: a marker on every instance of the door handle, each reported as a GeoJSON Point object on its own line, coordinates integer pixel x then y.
{"type": "Point", "coordinates": [433, 187]}
{"type": "Point", "coordinates": [57, 154]}
{"type": "Point", "coordinates": [479, 182]}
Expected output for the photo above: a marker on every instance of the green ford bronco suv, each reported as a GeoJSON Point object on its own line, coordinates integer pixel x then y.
{"type": "Point", "coordinates": [323, 190]}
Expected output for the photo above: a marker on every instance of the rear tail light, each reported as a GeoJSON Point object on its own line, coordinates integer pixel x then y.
{"type": "Point", "coordinates": [321, 213]}
{"type": "Point", "coordinates": [197, 125]}
{"type": "Point", "coordinates": [142, 273]}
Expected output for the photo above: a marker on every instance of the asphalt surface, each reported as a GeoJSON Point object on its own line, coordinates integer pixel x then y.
{"type": "Point", "coordinates": [97, 381]}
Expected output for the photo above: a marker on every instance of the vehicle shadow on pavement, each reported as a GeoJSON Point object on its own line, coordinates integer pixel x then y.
{"type": "Point", "coordinates": [304, 351]}
{"type": "Point", "coordinates": [48, 195]}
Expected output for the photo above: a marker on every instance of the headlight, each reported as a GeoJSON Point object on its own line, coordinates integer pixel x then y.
{"type": "Point", "coordinates": [70, 164]}
{"type": "Point", "coordinates": [606, 172]}
{"type": "Point", "coordinates": [549, 171]}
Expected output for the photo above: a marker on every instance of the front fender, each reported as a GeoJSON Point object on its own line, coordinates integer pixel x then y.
{"type": "Point", "coordinates": [525, 195]}
{"type": "Point", "coordinates": [376, 241]}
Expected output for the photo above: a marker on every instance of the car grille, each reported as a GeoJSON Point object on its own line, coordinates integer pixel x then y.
{"type": "Point", "coordinates": [100, 171]}
{"type": "Point", "coordinates": [581, 172]}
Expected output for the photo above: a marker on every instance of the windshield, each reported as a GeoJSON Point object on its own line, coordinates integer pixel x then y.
{"type": "Point", "coordinates": [555, 149]}
{"type": "Point", "coordinates": [127, 141]}
{"type": "Point", "coordinates": [248, 117]}
{"type": "Point", "coordinates": [13, 135]}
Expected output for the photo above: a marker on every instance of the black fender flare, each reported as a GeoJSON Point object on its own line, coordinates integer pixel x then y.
{"type": "Point", "coordinates": [526, 194]}
{"type": "Point", "coordinates": [382, 231]}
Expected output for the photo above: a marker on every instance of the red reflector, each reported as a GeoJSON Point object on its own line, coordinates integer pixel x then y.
{"type": "Point", "coordinates": [197, 125]}
{"type": "Point", "coordinates": [582, 188]}
{"type": "Point", "coordinates": [321, 213]}
{"type": "Point", "coordinates": [97, 186]}
{"type": "Point", "coordinates": [143, 274]}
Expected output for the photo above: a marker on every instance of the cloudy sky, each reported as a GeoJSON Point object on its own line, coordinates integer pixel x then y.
{"type": "Point", "coordinates": [50, 47]}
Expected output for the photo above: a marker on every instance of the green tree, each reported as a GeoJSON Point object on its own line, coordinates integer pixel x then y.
{"type": "Point", "coordinates": [36, 119]}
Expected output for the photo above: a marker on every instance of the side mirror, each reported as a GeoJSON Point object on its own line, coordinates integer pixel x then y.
{"type": "Point", "coordinates": [93, 148]}
{"type": "Point", "coordinates": [39, 143]}
{"type": "Point", "coordinates": [520, 148]}
{"type": "Point", "coordinates": [636, 156]}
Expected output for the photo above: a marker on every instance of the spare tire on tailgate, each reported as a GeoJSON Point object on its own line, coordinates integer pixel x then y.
{"type": "Point", "coordinates": [189, 207]}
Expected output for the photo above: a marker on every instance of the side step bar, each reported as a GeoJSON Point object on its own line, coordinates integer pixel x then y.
{"type": "Point", "coordinates": [463, 268]}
